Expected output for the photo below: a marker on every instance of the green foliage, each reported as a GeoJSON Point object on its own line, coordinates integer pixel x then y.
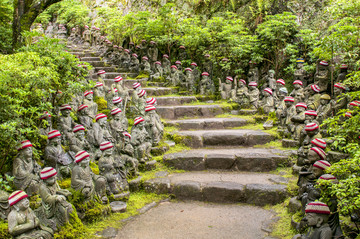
{"type": "Point", "coordinates": [94, 168]}
{"type": "Point", "coordinates": [72, 13]}
{"type": "Point", "coordinates": [30, 83]}
{"type": "Point", "coordinates": [6, 15]}
{"type": "Point", "coordinates": [6, 183]}
{"type": "Point", "coordinates": [101, 102]}
{"type": "Point", "coordinates": [65, 183]}
{"type": "Point", "coordinates": [4, 231]}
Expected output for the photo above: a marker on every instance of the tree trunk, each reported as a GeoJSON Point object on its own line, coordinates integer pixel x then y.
{"type": "Point", "coordinates": [25, 13]}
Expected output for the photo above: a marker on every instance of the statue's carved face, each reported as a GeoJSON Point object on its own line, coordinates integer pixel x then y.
{"type": "Point", "coordinates": [126, 139]}
{"type": "Point", "coordinates": [80, 134]}
{"type": "Point", "coordinates": [312, 219]}
{"type": "Point", "coordinates": [297, 86]}
{"type": "Point", "coordinates": [50, 181]}
{"type": "Point", "coordinates": [102, 121]}
{"type": "Point", "coordinates": [117, 116]}
{"type": "Point", "coordinates": [27, 152]}
{"type": "Point", "coordinates": [108, 152]}
{"type": "Point", "coordinates": [337, 91]}
{"type": "Point", "coordinates": [89, 97]}
{"type": "Point", "coordinates": [299, 65]}
{"type": "Point", "coordinates": [288, 104]}
{"type": "Point", "coordinates": [85, 163]}
{"type": "Point", "coordinates": [312, 133]}
{"type": "Point", "coordinates": [317, 171]}
{"type": "Point", "coordinates": [271, 74]}
{"type": "Point", "coordinates": [300, 109]}
{"type": "Point", "coordinates": [312, 156]}
{"type": "Point", "coordinates": [252, 87]}
{"type": "Point", "coordinates": [56, 141]}
{"type": "Point", "coordinates": [65, 113]}
{"type": "Point", "coordinates": [266, 94]}
{"type": "Point", "coordinates": [309, 117]}
{"type": "Point", "coordinates": [23, 204]}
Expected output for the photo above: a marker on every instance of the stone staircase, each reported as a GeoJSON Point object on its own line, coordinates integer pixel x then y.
{"type": "Point", "coordinates": [222, 166]}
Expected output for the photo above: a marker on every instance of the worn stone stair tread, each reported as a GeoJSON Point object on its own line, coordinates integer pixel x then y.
{"type": "Point", "coordinates": [242, 159]}
{"type": "Point", "coordinates": [219, 186]}
{"type": "Point", "coordinates": [180, 111]}
{"type": "Point", "coordinates": [207, 123]}
{"type": "Point", "coordinates": [226, 137]}
{"type": "Point", "coordinates": [90, 59]}
{"type": "Point", "coordinates": [175, 100]}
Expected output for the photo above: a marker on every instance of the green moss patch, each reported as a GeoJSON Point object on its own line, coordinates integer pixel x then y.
{"type": "Point", "coordinates": [4, 232]}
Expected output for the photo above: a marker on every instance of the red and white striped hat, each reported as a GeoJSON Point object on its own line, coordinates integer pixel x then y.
{"type": "Point", "coordinates": [188, 69]}
{"type": "Point", "coordinates": [158, 63]}
{"type": "Point", "coordinates": [151, 101]}
{"type": "Point", "coordinates": [268, 90]}
{"type": "Point", "coordinates": [354, 103]}
{"type": "Point", "coordinates": [243, 81]}
{"type": "Point", "coordinates": [299, 82]}
{"type": "Point", "coordinates": [53, 134]}
{"type": "Point", "coordinates": [281, 81]}
{"type": "Point", "coordinates": [106, 145]}
{"type": "Point", "coordinates": [86, 27]}
{"type": "Point", "coordinates": [319, 152]}
{"type": "Point", "coordinates": [182, 47]}
{"type": "Point", "coordinates": [207, 55]}
{"type": "Point", "coordinates": [165, 56]}
{"type": "Point", "coordinates": [93, 27]}
{"type": "Point", "coordinates": [81, 155]}
{"type": "Point", "coordinates": [317, 207]}
{"type": "Point", "coordinates": [205, 74]}
{"type": "Point", "coordinates": [47, 172]}
{"type": "Point", "coordinates": [131, 43]}
{"type": "Point", "coordinates": [134, 55]}
{"type": "Point", "coordinates": [115, 111]}
{"type": "Point", "coordinates": [301, 105]}
{"type": "Point", "coordinates": [319, 143]}
{"type": "Point", "coordinates": [16, 197]}
{"type": "Point", "coordinates": [47, 114]}
{"type": "Point", "coordinates": [149, 108]}
{"type": "Point", "coordinates": [225, 59]}
{"type": "Point", "coordinates": [178, 63]}
{"type": "Point", "coordinates": [65, 107]}
{"type": "Point", "coordinates": [253, 83]}
{"type": "Point", "coordinates": [289, 98]}
{"type": "Point", "coordinates": [98, 84]}
{"type": "Point", "coordinates": [141, 93]}
{"type": "Point", "coordinates": [88, 93]}
{"type": "Point", "coordinates": [81, 107]}
{"type": "Point", "coordinates": [324, 63]}
{"type": "Point", "coordinates": [348, 114]}
{"type": "Point", "coordinates": [322, 164]}
{"type": "Point", "coordinates": [100, 116]}
{"type": "Point", "coordinates": [173, 66]}
{"type": "Point", "coordinates": [152, 42]}
{"type": "Point", "coordinates": [193, 64]}
{"type": "Point", "coordinates": [145, 58]}
{"type": "Point", "coordinates": [328, 177]}
{"type": "Point", "coordinates": [127, 134]}
{"type": "Point", "coordinates": [118, 79]}
{"type": "Point", "coordinates": [127, 50]}
{"type": "Point", "coordinates": [315, 88]}
{"type": "Point", "coordinates": [340, 86]}
{"type": "Point", "coordinates": [343, 66]}
{"type": "Point", "coordinates": [311, 127]}
{"type": "Point", "coordinates": [137, 47]}
{"type": "Point", "coordinates": [117, 100]}
{"type": "Point", "coordinates": [24, 144]}
{"type": "Point", "coordinates": [143, 40]}
{"type": "Point", "coordinates": [115, 46]}
{"type": "Point", "coordinates": [229, 78]}
{"type": "Point", "coordinates": [78, 127]}
{"type": "Point", "coordinates": [311, 112]}
{"type": "Point", "coordinates": [136, 85]}
{"type": "Point", "coordinates": [100, 72]}
{"type": "Point", "coordinates": [252, 62]}
{"type": "Point", "coordinates": [138, 120]}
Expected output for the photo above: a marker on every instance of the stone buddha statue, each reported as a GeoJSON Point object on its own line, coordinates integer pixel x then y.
{"type": "Point", "coordinates": [325, 110]}
{"type": "Point", "coordinates": [313, 94]}
{"type": "Point", "coordinates": [189, 81]}
{"type": "Point", "coordinates": [134, 63]}
{"type": "Point", "coordinates": [89, 99]}
{"type": "Point", "coordinates": [340, 102]}
{"type": "Point", "coordinates": [26, 170]}
{"type": "Point", "coordinates": [206, 85]}
{"type": "Point", "coordinates": [227, 91]}
{"type": "Point", "coordinates": [141, 140]}
{"type": "Point", "coordinates": [267, 102]}
{"type": "Point", "coordinates": [300, 74]}
{"type": "Point", "coordinates": [84, 116]}
{"type": "Point", "coordinates": [157, 73]}
{"type": "Point", "coordinates": [196, 73]}
{"type": "Point", "coordinates": [65, 122]}
{"type": "Point", "coordinates": [45, 123]}
{"type": "Point", "coordinates": [166, 64]}
{"type": "Point", "coordinates": [153, 124]}
{"type": "Point", "coordinates": [118, 123]}
{"type": "Point", "coordinates": [22, 221]}
{"type": "Point", "coordinates": [145, 65]}
{"type": "Point", "coordinates": [173, 79]}
{"type": "Point", "coordinates": [242, 93]}
{"type": "Point", "coordinates": [298, 93]}
{"type": "Point", "coordinates": [253, 95]}
{"type": "Point", "coordinates": [55, 210]}
{"type": "Point", "coordinates": [128, 153]}
{"type": "Point", "coordinates": [101, 130]}
{"type": "Point", "coordinates": [322, 76]}
{"type": "Point", "coordinates": [297, 121]}
{"type": "Point", "coordinates": [253, 74]}
{"type": "Point", "coordinates": [343, 73]}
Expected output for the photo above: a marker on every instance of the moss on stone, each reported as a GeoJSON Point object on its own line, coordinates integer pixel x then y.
{"type": "Point", "coordinates": [101, 102]}
{"type": "Point", "coordinates": [75, 229]}
{"type": "Point", "coordinates": [4, 232]}
{"type": "Point", "coordinates": [65, 183]}
{"type": "Point", "coordinates": [95, 168]}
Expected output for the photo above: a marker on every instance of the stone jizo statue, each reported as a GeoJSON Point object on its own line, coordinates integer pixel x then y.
{"type": "Point", "coordinates": [267, 102]}
{"type": "Point", "coordinates": [322, 76]}
{"type": "Point", "coordinates": [141, 140]}
{"type": "Point", "coordinates": [127, 153]}
{"type": "Point", "coordinates": [153, 124]}
{"type": "Point", "coordinates": [173, 79]}
{"type": "Point", "coordinates": [340, 102]}
{"type": "Point", "coordinates": [166, 64]}
{"type": "Point", "coordinates": [79, 142]}
{"type": "Point", "coordinates": [145, 65]}
{"type": "Point", "coordinates": [313, 97]}
{"type": "Point", "coordinates": [343, 73]}
{"type": "Point", "coordinates": [297, 121]}
{"type": "Point", "coordinates": [253, 95]}
{"type": "Point", "coordinates": [45, 123]}
{"type": "Point", "coordinates": [22, 221]}
{"type": "Point", "coordinates": [206, 85]}
{"type": "Point", "coordinates": [298, 93]}
{"type": "Point", "coordinates": [300, 74]}
{"type": "Point", "coordinates": [84, 116]}
{"type": "Point", "coordinates": [242, 93]}
{"type": "Point", "coordinates": [253, 74]}
{"type": "Point", "coordinates": [189, 82]}
{"type": "Point", "coordinates": [85, 181]}
{"type": "Point", "coordinates": [55, 209]}
{"type": "Point", "coordinates": [26, 170]}
{"type": "Point", "coordinates": [317, 216]}
{"type": "Point", "coordinates": [226, 89]}
{"type": "Point", "coordinates": [101, 130]}
{"type": "Point", "coordinates": [118, 123]}
{"type": "Point", "coordinates": [66, 122]}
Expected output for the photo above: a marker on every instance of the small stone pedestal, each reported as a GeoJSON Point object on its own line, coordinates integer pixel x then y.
{"type": "Point", "coordinates": [289, 143]}
{"type": "Point", "coordinates": [118, 206]}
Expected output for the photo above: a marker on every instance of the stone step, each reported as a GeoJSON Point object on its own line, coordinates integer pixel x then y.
{"type": "Point", "coordinates": [175, 100]}
{"type": "Point", "coordinates": [150, 83]}
{"type": "Point", "coordinates": [206, 123]}
{"type": "Point", "coordinates": [112, 75]}
{"type": "Point", "coordinates": [191, 111]}
{"type": "Point", "coordinates": [96, 63]}
{"type": "Point", "coordinates": [89, 59]}
{"type": "Point", "coordinates": [227, 137]}
{"type": "Point", "coordinates": [223, 187]}
{"type": "Point", "coordinates": [234, 159]}
{"type": "Point", "coordinates": [106, 68]}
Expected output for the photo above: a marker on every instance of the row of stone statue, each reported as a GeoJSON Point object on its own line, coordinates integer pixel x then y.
{"type": "Point", "coordinates": [107, 144]}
